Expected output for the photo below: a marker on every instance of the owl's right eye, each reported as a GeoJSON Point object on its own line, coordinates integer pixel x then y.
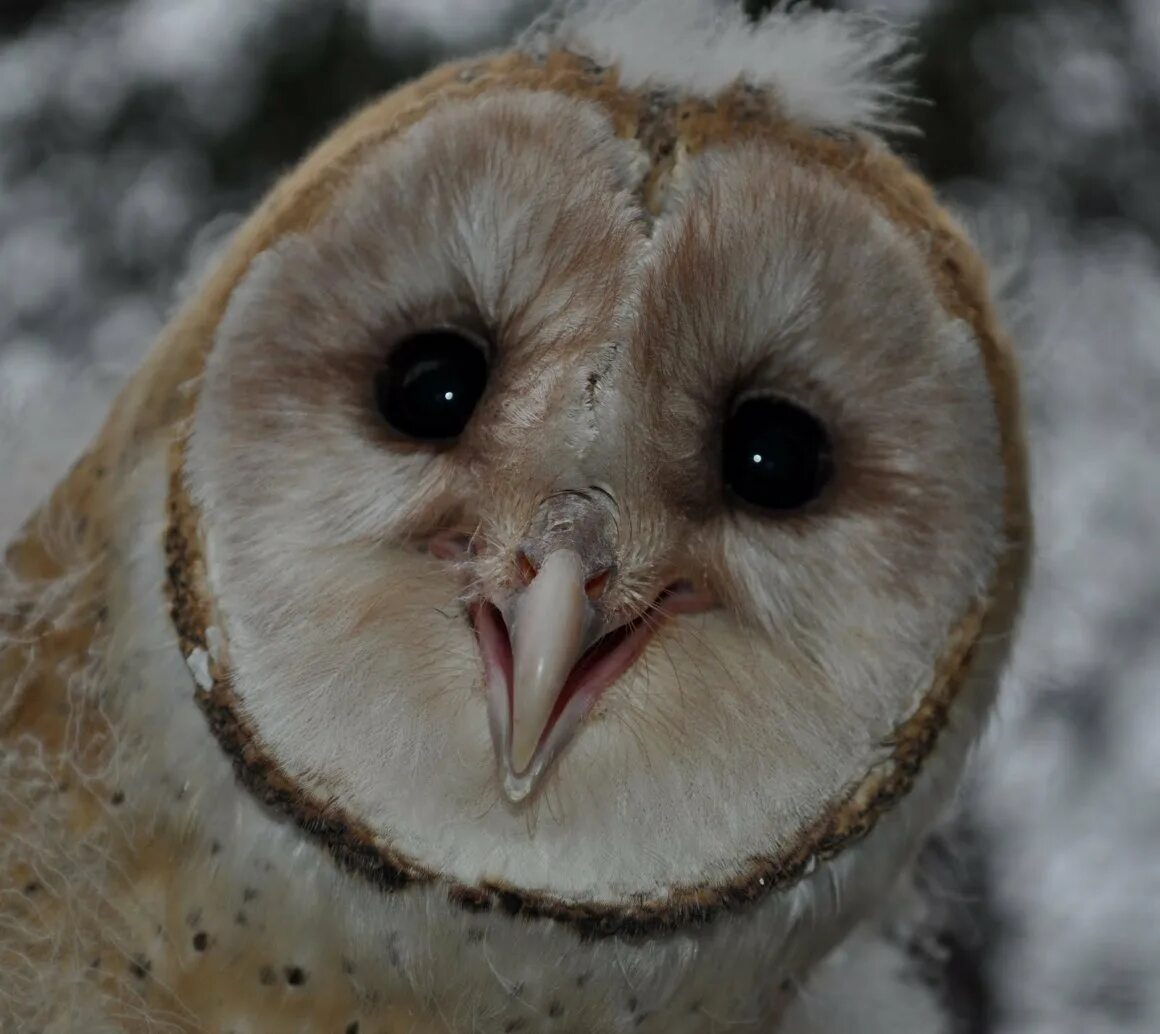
{"type": "Point", "coordinates": [432, 383]}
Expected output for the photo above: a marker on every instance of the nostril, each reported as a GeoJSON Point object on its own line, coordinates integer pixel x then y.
{"type": "Point", "coordinates": [527, 569]}
{"type": "Point", "coordinates": [595, 586]}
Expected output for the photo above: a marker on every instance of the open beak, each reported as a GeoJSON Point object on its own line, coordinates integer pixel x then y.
{"type": "Point", "coordinates": [538, 688]}
{"type": "Point", "coordinates": [548, 655]}
{"type": "Point", "coordinates": [550, 625]}
{"type": "Point", "coordinates": [552, 644]}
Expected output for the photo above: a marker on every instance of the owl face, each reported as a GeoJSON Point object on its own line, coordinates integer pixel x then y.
{"type": "Point", "coordinates": [584, 530]}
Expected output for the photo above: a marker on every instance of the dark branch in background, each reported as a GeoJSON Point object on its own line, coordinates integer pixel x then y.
{"type": "Point", "coordinates": [17, 15]}
{"type": "Point", "coordinates": [308, 88]}
{"type": "Point", "coordinates": [956, 98]}
{"type": "Point", "coordinates": [949, 116]}
{"type": "Point", "coordinates": [756, 8]}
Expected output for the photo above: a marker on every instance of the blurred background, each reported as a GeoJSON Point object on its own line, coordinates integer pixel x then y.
{"type": "Point", "coordinates": [135, 133]}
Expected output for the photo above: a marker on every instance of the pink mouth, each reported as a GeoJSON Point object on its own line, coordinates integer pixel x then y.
{"type": "Point", "coordinates": [597, 669]}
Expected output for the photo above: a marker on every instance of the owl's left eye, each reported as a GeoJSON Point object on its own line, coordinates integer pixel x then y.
{"type": "Point", "coordinates": [432, 383]}
{"type": "Point", "coordinates": [776, 455]}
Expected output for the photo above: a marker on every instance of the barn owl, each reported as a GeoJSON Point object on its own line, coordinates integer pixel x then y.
{"type": "Point", "coordinates": [547, 577]}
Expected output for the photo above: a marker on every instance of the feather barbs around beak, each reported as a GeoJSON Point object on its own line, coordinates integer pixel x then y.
{"type": "Point", "coordinates": [550, 649]}
{"type": "Point", "coordinates": [551, 635]}
{"type": "Point", "coordinates": [548, 653]}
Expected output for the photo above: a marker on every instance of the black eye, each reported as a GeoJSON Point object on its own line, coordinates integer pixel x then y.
{"type": "Point", "coordinates": [432, 383]}
{"type": "Point", "coordinates": [776, 455]}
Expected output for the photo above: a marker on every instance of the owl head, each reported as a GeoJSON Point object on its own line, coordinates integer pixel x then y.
{"type": "Point", "coordinates": [601, 489]}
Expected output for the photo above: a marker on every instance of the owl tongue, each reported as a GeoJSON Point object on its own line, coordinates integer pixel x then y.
{"type": "Point", "coordinates": [546, 665]}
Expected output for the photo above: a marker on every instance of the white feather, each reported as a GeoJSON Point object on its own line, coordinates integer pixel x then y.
{"type": "Point", "coordinates": [830, 70]}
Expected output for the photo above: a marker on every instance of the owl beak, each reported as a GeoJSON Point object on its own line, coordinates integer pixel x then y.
{"type": "Point", "coordinates": [541, 679]}
{"type": "Point", "coordinates": [549, 651]}
{"type": "Point", "coordinates": [551, 624]}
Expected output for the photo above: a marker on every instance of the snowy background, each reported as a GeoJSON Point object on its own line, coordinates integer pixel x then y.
{"type": "Point", "coordinates": [133, 133]}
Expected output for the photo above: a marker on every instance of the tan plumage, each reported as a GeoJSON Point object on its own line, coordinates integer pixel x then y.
{"type": "Point", "coordinates": [336, 845]}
